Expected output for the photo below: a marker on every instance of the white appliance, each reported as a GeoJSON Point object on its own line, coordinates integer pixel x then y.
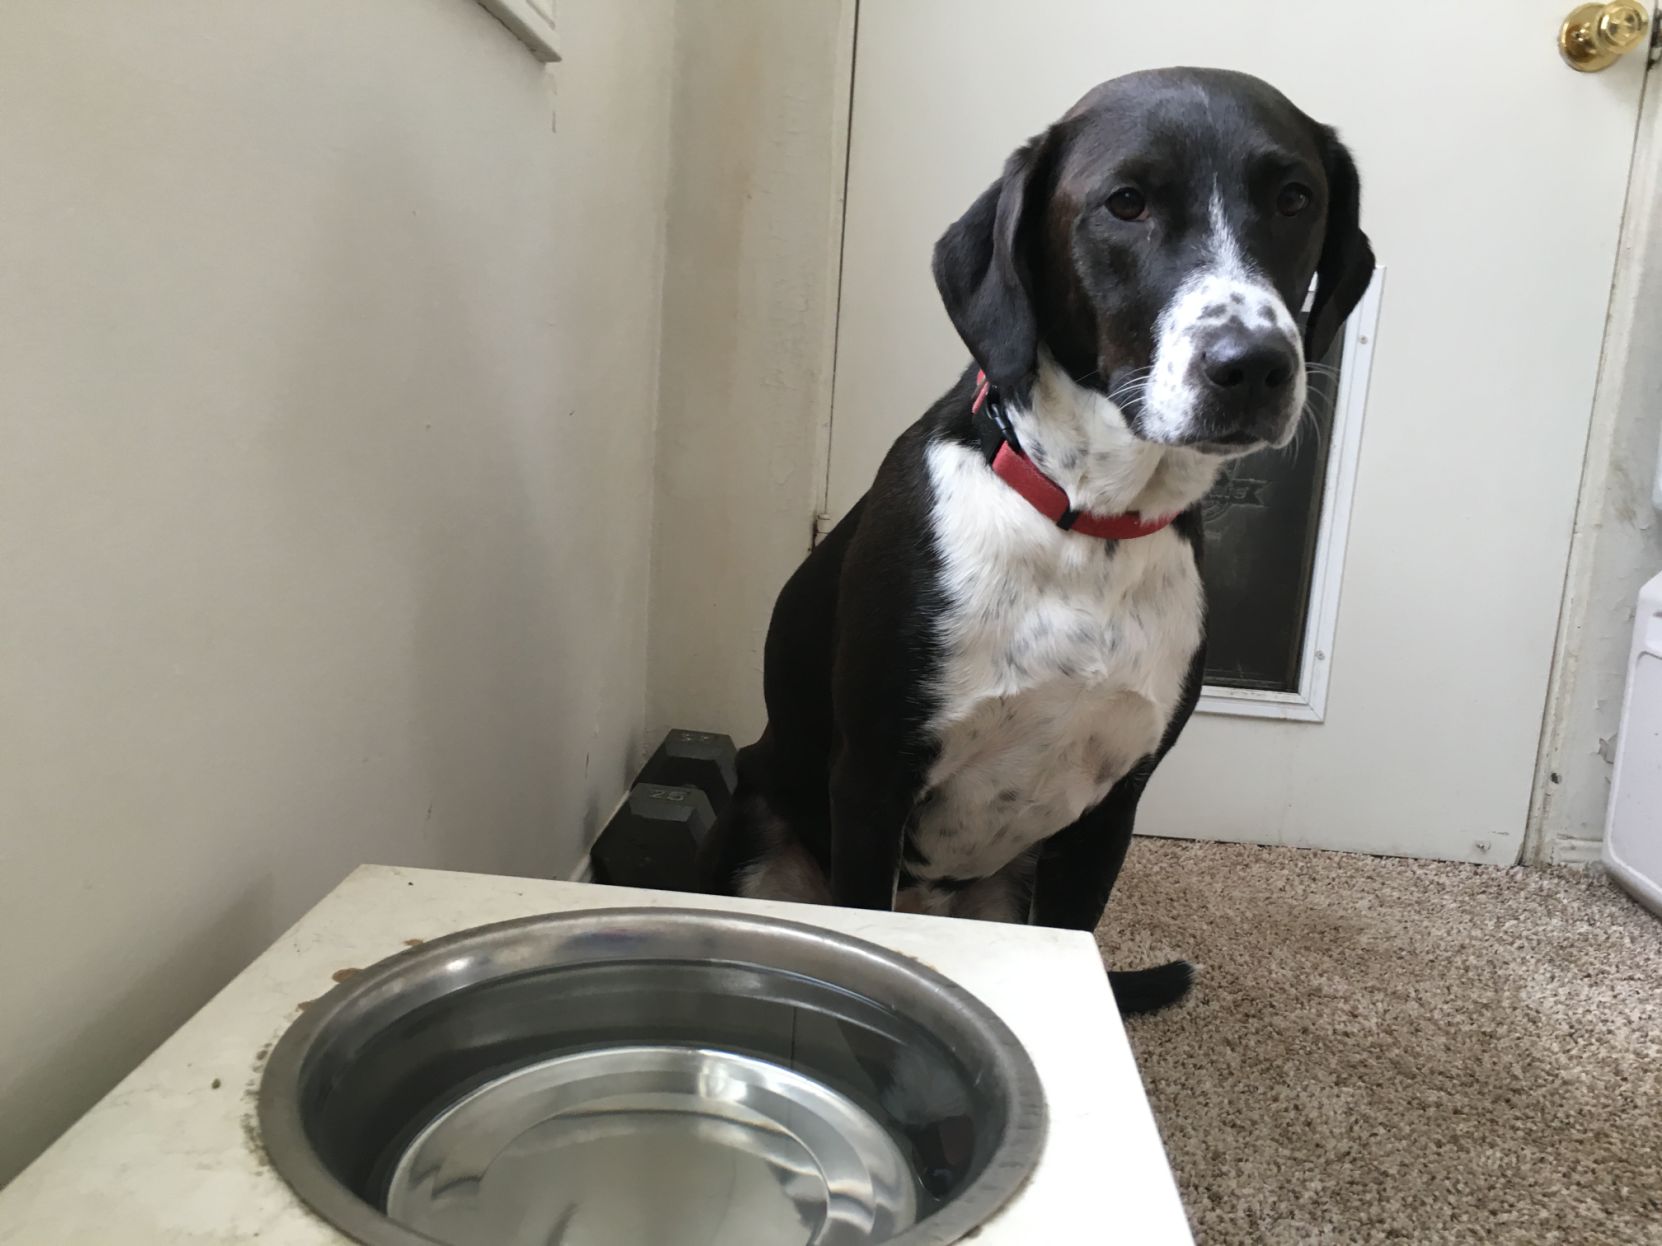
{"type": "Point", "coordinates": [1633, 829]}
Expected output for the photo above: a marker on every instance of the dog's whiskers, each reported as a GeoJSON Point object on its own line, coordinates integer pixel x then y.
{"type": "Point", "coordinates": [1132, 391]}
{"type": "Point", "coordinates": [1309, 417]}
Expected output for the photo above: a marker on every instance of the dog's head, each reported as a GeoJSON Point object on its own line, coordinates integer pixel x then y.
{"type": "Point", "coordinates": [1156, 241]}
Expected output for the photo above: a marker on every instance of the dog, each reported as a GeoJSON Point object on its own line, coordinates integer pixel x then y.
{"type": "Point", "coordinates": [970, 681]}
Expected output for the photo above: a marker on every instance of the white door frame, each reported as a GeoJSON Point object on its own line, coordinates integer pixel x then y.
{"type": "Point", "coordinates": [1617, 543]}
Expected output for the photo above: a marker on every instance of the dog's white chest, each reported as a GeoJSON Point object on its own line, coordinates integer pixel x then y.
{"type": "Point", "coordinates": [1063, 662]}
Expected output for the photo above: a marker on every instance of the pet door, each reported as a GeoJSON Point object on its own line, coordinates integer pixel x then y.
{"type": "Point", "coordinates": [1275, 542]}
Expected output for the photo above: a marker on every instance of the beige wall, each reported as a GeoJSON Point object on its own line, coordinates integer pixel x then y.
{"type": "Point", "coordinates": [750, 301]}
{"type": "Point", "coordinates": [327, 388]}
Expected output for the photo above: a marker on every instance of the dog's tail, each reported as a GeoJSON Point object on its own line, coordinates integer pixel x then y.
{"type": "Point", "coordinates": [1148, 990]}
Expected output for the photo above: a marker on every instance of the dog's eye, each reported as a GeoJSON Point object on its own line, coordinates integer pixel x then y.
{"type": "Point", "coordinates": [1128, 204]}
{"type": "Point", "coordinates": [1293, 199]}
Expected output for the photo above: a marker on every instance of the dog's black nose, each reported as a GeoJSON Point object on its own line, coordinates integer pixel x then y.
{"type": "Point", "coordinates": [1247, 368]}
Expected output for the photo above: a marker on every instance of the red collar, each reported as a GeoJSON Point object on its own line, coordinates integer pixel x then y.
{"type": "Point", "coordinates": [1042, 493]}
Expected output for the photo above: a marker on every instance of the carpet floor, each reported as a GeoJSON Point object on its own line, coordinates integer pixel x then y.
{"type": "Point", "coordinates": [1380, 1050]}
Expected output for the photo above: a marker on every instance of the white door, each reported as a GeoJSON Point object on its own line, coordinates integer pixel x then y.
{"type": "Point", "coordinates": [1493, 178]}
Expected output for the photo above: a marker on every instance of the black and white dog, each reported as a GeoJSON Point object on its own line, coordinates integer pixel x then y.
{"type": "Point", "coordinates": [970, 681]}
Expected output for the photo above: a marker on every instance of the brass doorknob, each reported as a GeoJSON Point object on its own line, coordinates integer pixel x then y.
{"type": "Point", "coordinates": [1594, 36]}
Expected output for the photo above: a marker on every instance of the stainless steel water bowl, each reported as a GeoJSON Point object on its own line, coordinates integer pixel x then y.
{"type": "Point", "coordinates": [651, 1077]}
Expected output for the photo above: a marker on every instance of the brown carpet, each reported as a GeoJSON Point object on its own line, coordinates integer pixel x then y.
{"type": "Point", "coordinates": [1398, 1051]}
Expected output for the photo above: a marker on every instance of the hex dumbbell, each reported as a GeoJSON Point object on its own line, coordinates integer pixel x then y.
{"type": "Point", "coordinates": [653, 839]}
{"type": "Point", "coordinates": [701, 759]}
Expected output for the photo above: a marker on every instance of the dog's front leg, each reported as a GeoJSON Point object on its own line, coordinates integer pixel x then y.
{"type": "Point", "coordinates": [1077, 870]}
{"type": "Point", "coordinates": [868, 823]}
{"type": "Point", "coordinates": [1080, 863]}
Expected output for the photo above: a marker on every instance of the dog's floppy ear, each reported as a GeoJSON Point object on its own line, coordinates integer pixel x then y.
{"type": "Point", "coordinates": [1346, 264]}
{"type": "Point", "coordinates": [983, 277]}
